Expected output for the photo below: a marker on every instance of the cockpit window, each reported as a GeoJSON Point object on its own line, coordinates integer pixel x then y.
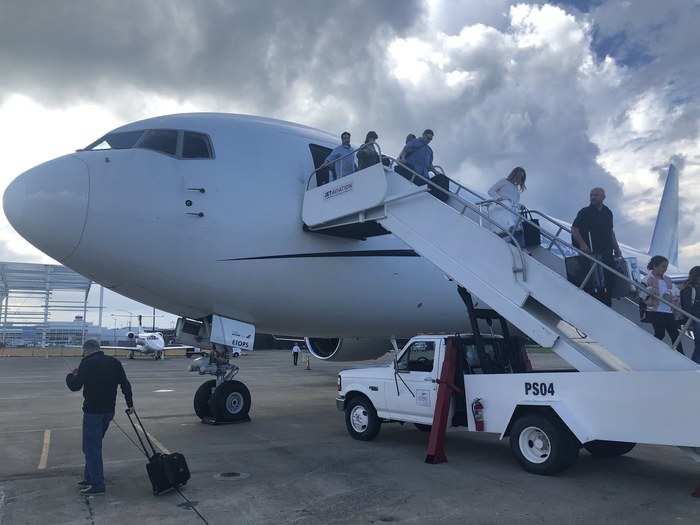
{"type": "Point", "coordinates": [163, 140]}
{"type": "Point", "coordinates": [117, 140]}
{"type": "Point", "coordinates": [177, 143]}
{"type": "Point", "coordinates": [196, 146]}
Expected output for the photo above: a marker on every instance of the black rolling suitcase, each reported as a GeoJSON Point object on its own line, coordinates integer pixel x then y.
{"type": "Point", "coordinates": [166, 471]}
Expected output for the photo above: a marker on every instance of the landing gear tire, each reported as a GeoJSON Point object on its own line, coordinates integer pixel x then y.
{"type": "Point", "coordinates": [608, 449]}
{"type": "Point", "coordinates": [231, 401]}
{"type": "Point", "coordinates": [361, 419]}
{"type": "Point", "coordinates": [422, 427]}
{"type": "Point", "coordinates": [542, 444]}
{"type": "Point", "coordinates": [202, 398]}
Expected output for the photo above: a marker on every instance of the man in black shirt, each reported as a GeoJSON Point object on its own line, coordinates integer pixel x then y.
{"type": "Point", "coordinates": [592, 232]}
{"type": "Point", "coordinates": [98, 375]}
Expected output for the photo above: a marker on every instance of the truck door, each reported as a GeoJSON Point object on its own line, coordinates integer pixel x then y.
{"type": "Point", "coordinates": [415, 378]}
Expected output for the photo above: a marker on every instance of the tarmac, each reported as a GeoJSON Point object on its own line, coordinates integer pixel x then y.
{"type": "Point", "coordinates": [295, 463]}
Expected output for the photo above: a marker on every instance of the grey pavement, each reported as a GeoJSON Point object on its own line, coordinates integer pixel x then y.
{"type": "Point", "coordinates": [295, 463]}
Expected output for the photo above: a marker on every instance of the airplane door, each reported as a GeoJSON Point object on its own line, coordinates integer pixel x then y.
{"type": "Point", "coordinates": [416, 374]}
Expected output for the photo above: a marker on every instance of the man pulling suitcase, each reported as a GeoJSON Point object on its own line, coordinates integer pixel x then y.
{"type": "Point", "coordinates": [98, 376]}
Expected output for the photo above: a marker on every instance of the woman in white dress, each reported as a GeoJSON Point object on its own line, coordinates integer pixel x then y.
{"type": "Point", "coordinates": [507, 191]}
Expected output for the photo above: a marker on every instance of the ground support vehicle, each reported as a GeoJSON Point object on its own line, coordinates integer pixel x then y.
{"type": "Point", "coordinates": [547, 415]}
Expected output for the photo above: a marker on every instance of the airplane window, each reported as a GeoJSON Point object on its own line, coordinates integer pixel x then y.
{"type": "Point", "coordinates": [163, 140]}
{"type": "Point", "coordinates": [196, 146]}
{"type": "Point", "coordinates": [118, 140]}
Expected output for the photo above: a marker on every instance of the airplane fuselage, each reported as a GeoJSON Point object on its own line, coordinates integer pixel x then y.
{"type": "Point", "coordinates": [237, 248]}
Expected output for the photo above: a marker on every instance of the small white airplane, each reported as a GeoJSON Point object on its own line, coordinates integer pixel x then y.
{"type": "Point", "coordinates": [147, 344]}
{"type": "Point", "coordinates": [223, 237]}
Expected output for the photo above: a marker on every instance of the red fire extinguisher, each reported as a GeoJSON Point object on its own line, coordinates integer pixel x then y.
{"type": "Point", "coordinates": [478, 413]}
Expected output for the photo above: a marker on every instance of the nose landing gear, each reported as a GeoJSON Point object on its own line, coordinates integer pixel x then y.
{"type": "Point", "coordinates": [221, 400]}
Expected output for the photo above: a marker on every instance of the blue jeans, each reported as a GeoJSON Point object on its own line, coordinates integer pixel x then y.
{"type": "Point", "coordinates": [94, 429]}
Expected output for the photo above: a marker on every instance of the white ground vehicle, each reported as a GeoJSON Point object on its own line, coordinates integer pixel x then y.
{"type": "Point", "coordinates": [548, 415]}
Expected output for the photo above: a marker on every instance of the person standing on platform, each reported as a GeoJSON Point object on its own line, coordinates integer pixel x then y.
{"type": "Point", "coordinates": [367, 155]}
{"type": "Point", "coordinates": [418, 155]}
{"type": "Point", "coordinates": [341, 158]}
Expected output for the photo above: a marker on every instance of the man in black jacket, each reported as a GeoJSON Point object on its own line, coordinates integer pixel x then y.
{"type": "Point", "coordinates": [592, 232]}
{"type": "Point", "coordinates": [98, 375]}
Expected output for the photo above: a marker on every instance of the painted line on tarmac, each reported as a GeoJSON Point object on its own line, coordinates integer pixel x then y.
{"type": "Point", "coordinates": [158, 444]}
{"type": "Point", "coordinates": [30, 430]}
{"type": "Point", "coordinates": [163, 390]}
{"type": "Point", "coordinates": [110, 462]}
{"type": "Point", "coordinates": [45, 450]}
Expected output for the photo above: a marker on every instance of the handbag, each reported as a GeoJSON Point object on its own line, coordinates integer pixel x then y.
{"type": "Point", "coordinates": [440, 180]}
{"type": "Point", "coordinates": [577, 268]}
{"type": "Point", "coordinates": [643, 310]}
{"type": "Point", "coordinates": [532, 236]}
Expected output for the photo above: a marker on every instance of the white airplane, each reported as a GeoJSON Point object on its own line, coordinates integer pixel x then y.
{"type": "Point", "coordinates": [222, 238]}
{"type": "Point", "coordinates": [147, 344]}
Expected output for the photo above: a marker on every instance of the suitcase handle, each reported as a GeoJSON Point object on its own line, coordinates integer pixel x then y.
{"type": "Point", "coordinates": [138, 435]}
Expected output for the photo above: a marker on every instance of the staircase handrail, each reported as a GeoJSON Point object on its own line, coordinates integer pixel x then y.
{"type": "Point", "coordinates": [553, 238]}
{"type": "Point", "coordinates": [326, 165]}
{"type": "Point", "coordinates": [467, 205]}
{"type": "Point", "coordinates": [556, 240]}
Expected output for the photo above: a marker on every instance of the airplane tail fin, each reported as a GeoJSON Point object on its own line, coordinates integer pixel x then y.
{"type": "Point", "coordinates": [664, 240]}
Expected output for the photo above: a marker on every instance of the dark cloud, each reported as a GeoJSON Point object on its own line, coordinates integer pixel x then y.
{"type": "Point", "coordinates": [251, 52]}
{"type": "Point", "coordinates": [536, 87]}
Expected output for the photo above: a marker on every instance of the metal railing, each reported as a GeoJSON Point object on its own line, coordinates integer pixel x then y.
{"type": "Point", "coordinates": [553, 238]}
{"type": "Point", "coordinates": [331, 164]}
{"type": "Point", "coordinates": [556, 240]}
{"type": "Point", "coordinates": [465, 204]}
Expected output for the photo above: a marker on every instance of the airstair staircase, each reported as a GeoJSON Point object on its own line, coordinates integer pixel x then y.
{"type": "Point", "coordinates": [463, 243]}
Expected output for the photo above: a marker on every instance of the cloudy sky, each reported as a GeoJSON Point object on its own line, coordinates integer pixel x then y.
{"type": "Point", "coordinates": [579, 92]}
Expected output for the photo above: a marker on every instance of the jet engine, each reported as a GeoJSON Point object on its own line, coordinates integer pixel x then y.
{"type": "Point", "coordinates": [348, 348]}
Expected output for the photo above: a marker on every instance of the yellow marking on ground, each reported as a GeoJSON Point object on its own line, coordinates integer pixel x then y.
{"type": "Point", "coordinates": [158, 444]}
{"type": "Point", "coordinates": [45, 450]}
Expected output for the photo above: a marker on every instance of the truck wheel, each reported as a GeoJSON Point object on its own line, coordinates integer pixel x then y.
{"type": "Point", "coordinates": [231, 401]}
{"type": "Point", "coordinates": [608, 449]}
{"type": "Point", "coordinates": [202, 397]}
{"type": "Point", "coordinates": [542, 444]}
{"type": "Point", "coordinates": [361, 419]}
{"type": "Point", "coordinates": [422, 427]}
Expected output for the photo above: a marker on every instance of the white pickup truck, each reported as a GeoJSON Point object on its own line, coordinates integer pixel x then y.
{"type": "Point", "coordinates": [548, 415]}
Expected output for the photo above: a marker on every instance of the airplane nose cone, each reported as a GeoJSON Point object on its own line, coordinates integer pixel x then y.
{"type": "Point", "coordinates": [47, 205]}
